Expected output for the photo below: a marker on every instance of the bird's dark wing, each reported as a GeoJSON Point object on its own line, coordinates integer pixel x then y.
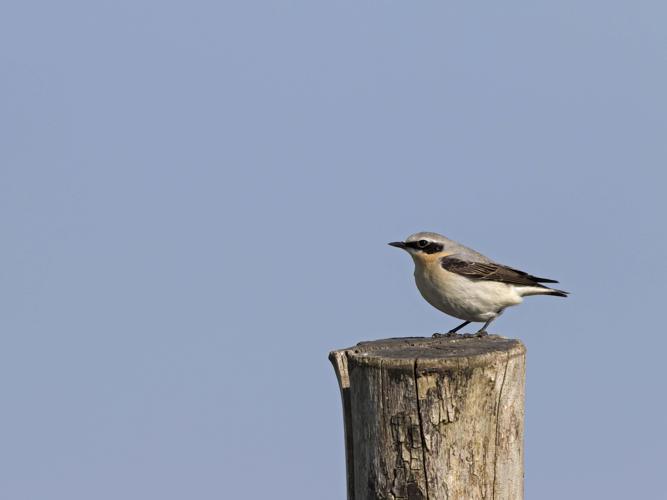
{"type": "Point", "coordinates": [490, 271]}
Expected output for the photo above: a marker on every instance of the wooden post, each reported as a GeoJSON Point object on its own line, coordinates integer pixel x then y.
{"type": "Point", "coordinates": [433, 419]}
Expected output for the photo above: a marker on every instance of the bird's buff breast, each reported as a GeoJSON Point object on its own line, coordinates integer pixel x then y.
{"type": "Point", "coordinates": [461, 297]}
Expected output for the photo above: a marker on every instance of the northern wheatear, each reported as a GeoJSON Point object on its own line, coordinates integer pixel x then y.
{"type": "Point", "coordinates": [465, 284]}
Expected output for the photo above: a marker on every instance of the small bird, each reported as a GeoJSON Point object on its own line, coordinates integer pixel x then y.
{"type": "Point", "coordinates": [465, 284]}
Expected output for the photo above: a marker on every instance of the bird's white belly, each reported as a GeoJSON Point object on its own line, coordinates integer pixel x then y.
{"type": "Point", "coordinates": [464, 298]}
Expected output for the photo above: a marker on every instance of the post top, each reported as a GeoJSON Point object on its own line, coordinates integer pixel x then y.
{"type": "Point", "coordinates": [441, 353]}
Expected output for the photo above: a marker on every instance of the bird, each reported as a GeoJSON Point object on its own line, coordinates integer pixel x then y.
{"type": "Point", "coordinates": [465, 284]}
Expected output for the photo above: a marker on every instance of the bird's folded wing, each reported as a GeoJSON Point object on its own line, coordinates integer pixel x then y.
{"type": "Point", "coordinates": [490, 271]}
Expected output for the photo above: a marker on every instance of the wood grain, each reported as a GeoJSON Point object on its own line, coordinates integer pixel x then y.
{"type": "Point", "coordinates": [431, 419]}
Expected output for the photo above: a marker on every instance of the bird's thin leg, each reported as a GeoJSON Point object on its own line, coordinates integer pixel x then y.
{"type": "Point", "coordinates": [454, 330]}
{"type": "Point", "coordinates": [482, 331]}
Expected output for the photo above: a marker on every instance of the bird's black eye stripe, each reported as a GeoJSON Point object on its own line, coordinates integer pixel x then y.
{"type": "Point", "coordinates": [425, 246]}
{"type": "Point", "coordinates": [432, 247]}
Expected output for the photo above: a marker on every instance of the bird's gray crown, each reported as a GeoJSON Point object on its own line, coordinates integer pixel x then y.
{"type": "Point", "coordinates": [450, 246]}
{"type": "Point", "coordinates": [428, 237]}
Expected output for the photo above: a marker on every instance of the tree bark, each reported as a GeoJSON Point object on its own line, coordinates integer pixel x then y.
{"type": "Point", "coordinates": [433, 419]}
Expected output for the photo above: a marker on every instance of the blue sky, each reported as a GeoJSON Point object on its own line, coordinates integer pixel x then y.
{"type": "Point", "coordinates": [195, 201]}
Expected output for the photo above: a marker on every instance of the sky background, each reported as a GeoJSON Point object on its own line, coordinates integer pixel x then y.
{"type": "Point", "coordinates": [195, 201]}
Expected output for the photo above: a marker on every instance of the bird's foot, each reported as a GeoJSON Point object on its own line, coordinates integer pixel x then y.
{"type": "Point", "coordinates": [437, 335]}
{"type": "Point", "coordinates": [481, 333]}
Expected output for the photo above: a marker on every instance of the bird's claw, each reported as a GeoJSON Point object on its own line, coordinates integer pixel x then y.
{"type": "Point", "coordinates": [437, 335]}
{"type": "Point", "coordinates": [449, 335]}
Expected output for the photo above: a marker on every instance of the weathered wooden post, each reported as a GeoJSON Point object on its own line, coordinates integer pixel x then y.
{"type": "Point", "coordinates": [433, 419]}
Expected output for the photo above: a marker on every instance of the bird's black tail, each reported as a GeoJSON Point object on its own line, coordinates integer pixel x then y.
{"type": "Point", "coordinates": [557, 293]}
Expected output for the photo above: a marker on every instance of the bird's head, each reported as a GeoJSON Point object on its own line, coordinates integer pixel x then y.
{"type": "Point", "coordinates": [424, 247]}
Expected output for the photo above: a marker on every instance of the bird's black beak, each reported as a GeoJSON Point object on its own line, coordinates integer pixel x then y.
{"type": "Point", "coordinates": [397, 244]}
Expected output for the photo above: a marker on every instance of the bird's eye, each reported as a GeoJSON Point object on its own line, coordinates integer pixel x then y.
{"type": "Point", "coordinates": [422, 243]}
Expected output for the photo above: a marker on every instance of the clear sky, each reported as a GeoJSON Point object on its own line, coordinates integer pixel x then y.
{"type": "Point", "coordinates": [195, 201]}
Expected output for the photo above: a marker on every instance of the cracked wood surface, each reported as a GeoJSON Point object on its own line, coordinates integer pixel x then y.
{"type": "Point", "coordinates": [433, 419]}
